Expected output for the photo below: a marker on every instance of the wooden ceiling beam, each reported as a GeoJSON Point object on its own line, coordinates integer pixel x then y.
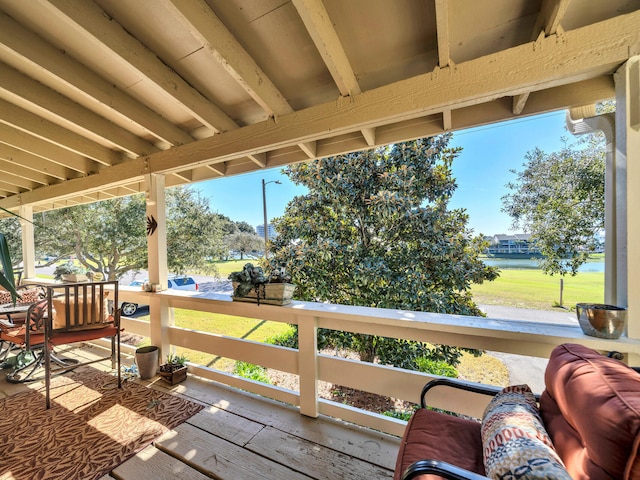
{"type": "Point", "coordinates": [309, 148]}
{"type": "Point", "coordinates": [586, 53]}
{"type": "Point", "coordinates": [46, 150]}
{"type": "Point", "coordinates": [259, 159]}
{"type": "Point", "coordinates": [219, 168]}
{"type": "Point", "coordinates": [91, 18]}
{"type": "Point", "coordinates": [317, 22]}
{"type": "Point", "coordinates": [9, 188]}
{"type": "Point", "coordinates": [25, 46]}
{"type": "Point", "coordinates": [369, 135]}
{"type": "Point", "coordinates": [446, 120]}
{"type": "Point", "coordinates": [207, 28]}
{"type": "Point", "coordinates": [547, 23]}
{"type": "Point", "coordinates": [21, 177]}
{"type": "Point", "coordinates": [34, 164]}
{"type": "Point", "coordinates": [442, 29]}
{"type": "Point", "coordinates": [18, 85]}
{"type": "Point", "coordinates": [22, 181]}
{"type": "Point", "coordinates": [29, 122]}
{"type": "Point", "coordinates": [184, 175]}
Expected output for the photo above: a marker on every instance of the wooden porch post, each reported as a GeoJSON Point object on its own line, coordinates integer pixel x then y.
{"type": "Point", "coordinates": [627, 81]}
{"type": "Point", "coordinates": [161, 316]}
{"type": "Point", "coordinates": [28, 242]}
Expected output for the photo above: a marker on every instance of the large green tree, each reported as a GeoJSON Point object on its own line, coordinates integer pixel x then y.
{"type": "Point", "coordinates": [244, 243]}
{"type": "Point", "coordinates": [106, 237]}
{"type": "Point", "coordinates": [375, 230]}
{"type": "Point", "coordinates": [10, 228]}
{"type": "Point", "coordinates": [110, 236]}
{"type": "Point", "coordinates": [194, 234]}
{"type": "Point", "coordinates": [558, 198]}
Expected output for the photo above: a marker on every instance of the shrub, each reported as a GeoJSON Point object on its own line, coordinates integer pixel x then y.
{"type": "Point", "coordinates": [436, 367]}
{"type": "Point", "coordinates": [285, 339]}
{"type": "Point", "coordinates": [252, 372]}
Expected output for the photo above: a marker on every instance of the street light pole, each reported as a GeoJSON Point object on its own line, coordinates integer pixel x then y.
{"type": "Point", "coordinates": [264, 209]}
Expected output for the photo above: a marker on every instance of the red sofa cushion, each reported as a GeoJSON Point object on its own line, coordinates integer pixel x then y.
{"type": "Point", "coordinates": [591, 409]}
{"type": "Point", "coordinates": [433, 435]}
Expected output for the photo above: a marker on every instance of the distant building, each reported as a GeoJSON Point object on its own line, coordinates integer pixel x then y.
{"type": "Point", "coordinates": [518, 243]}
{"type": "Point", "coordinates": [271, 231]}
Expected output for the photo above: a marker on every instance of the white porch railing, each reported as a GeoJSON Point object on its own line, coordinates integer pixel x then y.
{"type": "Point", "coordinates": [517, 337]}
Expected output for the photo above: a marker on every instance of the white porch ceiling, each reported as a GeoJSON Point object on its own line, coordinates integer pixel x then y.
{"type": "Point", "coordinates": [94, 95]}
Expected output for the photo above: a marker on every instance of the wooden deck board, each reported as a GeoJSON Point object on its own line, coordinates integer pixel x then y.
{"type": "Point", "coordinates": [368, 445]}
{"type": "Point", "coordinates": [220, 458]}
{"type": "Point", "coordinates": [225, 425]}
{"type": "Point", "coordinates": [314, 460]}
{"type": "Point", "coordinates": [154, 464]}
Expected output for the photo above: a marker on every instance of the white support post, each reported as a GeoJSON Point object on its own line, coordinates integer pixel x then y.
{"type": "Point", "coordinates": [627, 81]}
{"type": "Point", "coordinates": [308, 367]}
{"type": "Point", "coordinates": [161, 316]}
{"type": "Point", "coordinates": [28, 242]}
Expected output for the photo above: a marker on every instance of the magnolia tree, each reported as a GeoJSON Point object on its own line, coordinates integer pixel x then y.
{"type": "Point", "coordinates": [375, 230]}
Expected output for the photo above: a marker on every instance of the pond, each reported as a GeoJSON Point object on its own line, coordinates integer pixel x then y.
{"type": "Point", "coordinates": [595, 265]}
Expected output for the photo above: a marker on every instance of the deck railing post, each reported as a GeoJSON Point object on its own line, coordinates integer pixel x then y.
{"type": "Point", "coordinates": [308, 364]}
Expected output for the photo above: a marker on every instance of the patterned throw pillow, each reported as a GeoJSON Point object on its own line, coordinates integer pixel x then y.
{"type": "Point", "coordinates": [5, 297]}
{"type": "Point", "coordinates": [29, 295]}
{"type": "Point", "coordinates": [514, 440]}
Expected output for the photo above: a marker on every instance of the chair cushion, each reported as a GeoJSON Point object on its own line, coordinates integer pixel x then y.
{"type": "Point", "coordinates": [437, 436]}
{"type": "Point", "coordinates": [591, 408]}
{"type": "Point", "coordinates": [63, 338]}
{"type": "Point", "coordinates": [514, 440]}
{"type": "Point", "coordinates": [17, 336]}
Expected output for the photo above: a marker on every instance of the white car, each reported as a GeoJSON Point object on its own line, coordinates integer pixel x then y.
{"type": "Point", "coordinates": [177, 282]}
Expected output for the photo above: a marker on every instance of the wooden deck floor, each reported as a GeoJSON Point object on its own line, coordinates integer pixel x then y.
{"type": "Point", "coordinates": [244, 436]}
{"type": "Point", "coordinates": [239, 435]}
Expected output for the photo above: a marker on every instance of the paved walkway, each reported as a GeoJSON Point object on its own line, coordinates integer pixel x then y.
{"type": "Point", "coordinates": [522, 369]}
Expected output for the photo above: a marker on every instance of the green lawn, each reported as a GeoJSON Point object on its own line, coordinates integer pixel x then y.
{"type": "Point", "coordinates": [533, 289]}
{"type": "Point", "coordinates": [225, 268]}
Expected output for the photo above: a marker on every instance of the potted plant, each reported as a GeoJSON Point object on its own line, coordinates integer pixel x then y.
{"type": "Point", "coordinates": [69, 272]}
{"type": "Point", "coordinates": [175, 369]}
{"type": "Point", "coordinates": [253, 285]}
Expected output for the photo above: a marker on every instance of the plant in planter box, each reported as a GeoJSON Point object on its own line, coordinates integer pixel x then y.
{"type": "Point", "coordinates": [251, 284]}
{"type": "Point", "coordinates": [69, 272]}
{"type": "Point", "coordinates": [175, 369]}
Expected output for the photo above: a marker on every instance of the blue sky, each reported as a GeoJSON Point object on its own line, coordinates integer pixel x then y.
{"type": "Point", "coordinates": [481, 171]}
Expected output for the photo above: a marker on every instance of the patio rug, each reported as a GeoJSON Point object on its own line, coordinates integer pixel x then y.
{"type": "Point", "coordinates": [91, 428]}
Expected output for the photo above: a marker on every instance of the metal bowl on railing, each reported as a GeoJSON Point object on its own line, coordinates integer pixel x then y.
{"type": "Point", "coordinates": [601, 320]}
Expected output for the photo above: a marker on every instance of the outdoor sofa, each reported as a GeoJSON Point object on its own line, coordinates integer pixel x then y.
{"type": "Point", "coordinates": [584, 425]}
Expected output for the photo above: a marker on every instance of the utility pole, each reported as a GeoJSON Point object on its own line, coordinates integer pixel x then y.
{"type": "Point", "coordinates": [264, 210]}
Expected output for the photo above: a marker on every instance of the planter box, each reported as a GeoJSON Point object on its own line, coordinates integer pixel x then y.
{"type": "Point", "coordinates": [274, 294]}
{"type": "Point", "coordinates": [173, 377]}
{"type": "Point", "coordinates": [74, 277]}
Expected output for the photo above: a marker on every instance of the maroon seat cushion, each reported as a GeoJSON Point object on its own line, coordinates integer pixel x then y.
{"type": "Point", "coordinates": [63, 338]}
{"type": "Point", "coordinates": [437, 436]}
{"type": "Point", "coordinates": [591, 408]}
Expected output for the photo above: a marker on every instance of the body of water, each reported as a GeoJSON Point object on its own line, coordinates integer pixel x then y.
{"type": "Point", "coordinates": [526, 263]}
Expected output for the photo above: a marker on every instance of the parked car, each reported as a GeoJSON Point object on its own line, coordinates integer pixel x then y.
{"type": "Point", "coordinates": [176, 282]}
